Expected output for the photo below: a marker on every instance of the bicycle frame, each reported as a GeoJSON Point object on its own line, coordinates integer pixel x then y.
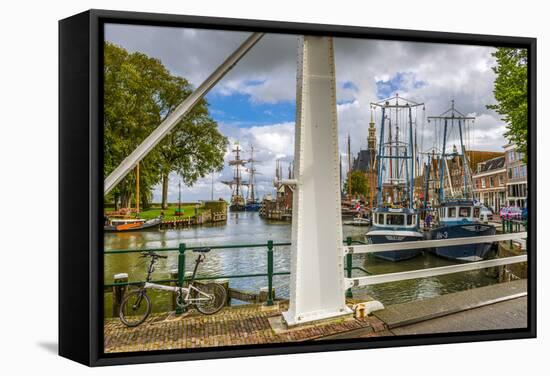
{"type": "Point", "coordinates": [185, 292]}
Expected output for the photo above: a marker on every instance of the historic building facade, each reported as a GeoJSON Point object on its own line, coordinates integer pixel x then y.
{"type": "Point", "coordinates": [516, 174]}
{"type": "Point", "coordinates": [490, 183]}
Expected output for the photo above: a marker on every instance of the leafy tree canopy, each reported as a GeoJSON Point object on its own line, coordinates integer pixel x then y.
{"type": "Point", "coordinates": [359, 183]}
{"type": "Point", "coordinates": [139, 93]}
{"type": "Point", "coordinates": [511, 94]}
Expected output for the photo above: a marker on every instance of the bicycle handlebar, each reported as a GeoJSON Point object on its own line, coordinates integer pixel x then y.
{"type": "Point", "coordinates": [152, 254]}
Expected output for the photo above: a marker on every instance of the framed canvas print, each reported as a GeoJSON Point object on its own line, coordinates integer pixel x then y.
{"type": "Point", "coordinates": [240, 187]}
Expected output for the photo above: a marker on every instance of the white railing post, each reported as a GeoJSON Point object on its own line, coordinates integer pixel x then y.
{"type": "Point", "coordinates": [432, 272]}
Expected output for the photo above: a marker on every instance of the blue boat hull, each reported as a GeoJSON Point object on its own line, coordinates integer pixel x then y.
{"type": "Point", "coordinates": [463, 253]}
{"type": "Point", "coordinates": [253, 207]}
{"type": "Point", "coordinates": [394, 255]}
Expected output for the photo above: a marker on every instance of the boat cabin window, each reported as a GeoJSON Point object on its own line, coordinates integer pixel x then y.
{"type": "Point", "coordinates": [410, 219]}
{"type": "Point", "coordinates": [380, 219]}
{"type": "Point", "coordinates": [464, 212]}
{"type": "Point", "coordinates": [395, 219]}
{"type": "Point", "coordinates": [476, 212]}
{"type": "Point", "coordinates": [451, 212]}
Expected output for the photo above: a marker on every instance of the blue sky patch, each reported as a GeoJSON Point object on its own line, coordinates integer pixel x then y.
{"type": "Point", "coordinates": [239, 109]}
{"type": "Point", "coordinates": [386, 89]}
{"type": "Point", "coordinates": [349, 85]}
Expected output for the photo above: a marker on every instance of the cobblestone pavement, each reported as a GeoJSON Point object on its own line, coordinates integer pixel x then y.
{"type": "Point", "coordinates": [241, 325]}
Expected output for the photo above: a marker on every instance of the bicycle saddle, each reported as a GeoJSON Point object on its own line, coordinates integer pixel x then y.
{"type": "Point", "coordinates": [201, 250]}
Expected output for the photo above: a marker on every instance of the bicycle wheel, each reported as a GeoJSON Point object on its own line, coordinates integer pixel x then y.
{"type": "Point", "coordinates": [217, 298]}
{"type": "Point", "coordinates": [135, 308]}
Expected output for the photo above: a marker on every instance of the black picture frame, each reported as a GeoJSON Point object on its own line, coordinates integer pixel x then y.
{"type": "Point", "coordinates": [81, 181]}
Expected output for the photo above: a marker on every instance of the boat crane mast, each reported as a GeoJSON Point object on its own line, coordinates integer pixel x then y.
{"type": "Point", "coordinates": [451, 115]}
{"type": "Point", "coordinates": [408, 150]}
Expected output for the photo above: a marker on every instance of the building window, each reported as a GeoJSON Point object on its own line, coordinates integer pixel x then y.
{"type": "Point", "coordinates": [509, 173]}
{"type": "Point", "coordinates": [491, 181]}
{"type": "Point", "coordinates": [501, 179]}
{"type": "Point", "coordinates": [511, 156]}
{"type": "Point", "coordinates": [482, 182]}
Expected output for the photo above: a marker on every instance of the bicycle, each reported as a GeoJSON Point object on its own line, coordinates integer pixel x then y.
{"type": "Point", "coordinates": [207, 298]}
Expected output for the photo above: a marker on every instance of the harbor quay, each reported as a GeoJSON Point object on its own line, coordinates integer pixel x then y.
{"type": "Point", "coordinates": [492, 307]}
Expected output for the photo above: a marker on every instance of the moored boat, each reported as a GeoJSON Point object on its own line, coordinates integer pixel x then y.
{"type": "Point", "coordinates": [252, 206]}
{"type": "Point", "coordinates": [131, 224]}
{"type": "Point", "coordinates": [394, 225]}
{"type": "Point", "coordinates": [461, 219]}
{"type": "Point", "coordinates": [359, 221]}
{"type": "Point", "coordinates": [394, 217]}
{"type": "Point", "coordinates": [459, 215]}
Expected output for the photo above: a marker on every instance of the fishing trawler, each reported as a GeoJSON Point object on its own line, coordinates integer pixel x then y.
{"type": "Point", "coordinates": [394, 218]}
{"type": "Point", "coordinates": [459, 215]}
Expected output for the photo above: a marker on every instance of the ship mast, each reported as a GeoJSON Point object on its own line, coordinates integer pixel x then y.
{"type": "Point", "coordinates": [404, 151]}
{"type": "Point", "coordinates": [449, 118]}
{"type": "Point", "coordinates": [237, 181]}
{"type": "Point", "coordinates": [251, 193]}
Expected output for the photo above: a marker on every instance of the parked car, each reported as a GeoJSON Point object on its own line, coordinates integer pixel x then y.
{"type": "Point", "coordinates": [515, 212]}
{"type": "Point", "coordinates": [510, 212]}
{"type": "Point", "coordinates": [504, 212]}
{"type": "Point", "coordinates": [486, 213]}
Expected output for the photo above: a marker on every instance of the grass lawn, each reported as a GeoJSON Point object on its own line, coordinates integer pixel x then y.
{"type": "Point", "coordinates": [153, 212]}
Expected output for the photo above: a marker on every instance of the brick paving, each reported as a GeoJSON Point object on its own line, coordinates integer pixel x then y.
{"type": "Point", "coordinates": [241, 325]}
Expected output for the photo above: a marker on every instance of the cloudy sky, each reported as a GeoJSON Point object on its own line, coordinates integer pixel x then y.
{"type": "Point", "coordinates": [254, 104]}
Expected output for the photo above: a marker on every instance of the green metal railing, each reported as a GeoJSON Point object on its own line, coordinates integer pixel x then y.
{"type": "Point", "coordinates": [513, 225]}
{"type": "Point", "coordinates": [270, 273]}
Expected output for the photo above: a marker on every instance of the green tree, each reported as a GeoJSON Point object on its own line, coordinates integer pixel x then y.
{"type": "Point", "coordinates": [359, 184]}
{"type": "Point", "coordinates": [510, 92]}
{"type": "Point", "coordinates": [139, 92]}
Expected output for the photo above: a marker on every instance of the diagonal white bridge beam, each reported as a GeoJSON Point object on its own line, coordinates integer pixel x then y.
{"type": "Point", "coordinates": [385, 247]}
{"type": "Point", "coordinates": [432, 272]}
{"type": "Point", "coordinates": [174, 118]}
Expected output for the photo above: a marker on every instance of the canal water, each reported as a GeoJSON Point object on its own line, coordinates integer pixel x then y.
{"type": "Point", "coordinates": [249, 228]}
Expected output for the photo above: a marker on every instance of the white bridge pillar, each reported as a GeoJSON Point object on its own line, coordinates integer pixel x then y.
{"type": "Point", "coordinates": [317, 289]}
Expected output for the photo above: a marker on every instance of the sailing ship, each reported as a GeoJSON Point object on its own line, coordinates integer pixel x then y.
{"type": "Point", "coordinates": [459, 215]}
{"type": "Point", "coordinates": [252, 203]}
{"type": "Point", "coordinates": [394, 217]}
{"type": "Point", "coordinates": [237, 203]}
